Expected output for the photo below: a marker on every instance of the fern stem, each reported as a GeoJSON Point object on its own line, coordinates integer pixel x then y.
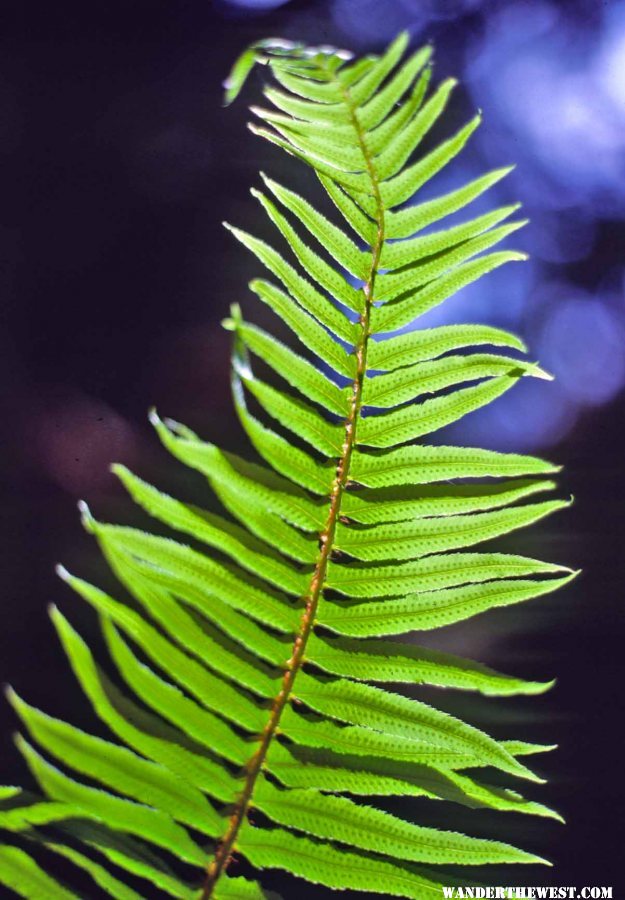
{"type": "Point", "coordinates": [254, 766]}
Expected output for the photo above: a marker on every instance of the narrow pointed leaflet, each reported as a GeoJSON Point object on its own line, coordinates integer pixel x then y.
{"type": "Point", "coordinates": [253, 632]}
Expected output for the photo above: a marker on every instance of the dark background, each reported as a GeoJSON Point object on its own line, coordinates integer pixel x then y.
{"type": "Point", "coordinates": [118, 165]}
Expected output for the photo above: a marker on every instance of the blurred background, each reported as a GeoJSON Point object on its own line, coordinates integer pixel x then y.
{"type": "Point", "coordinates": [118, 163]}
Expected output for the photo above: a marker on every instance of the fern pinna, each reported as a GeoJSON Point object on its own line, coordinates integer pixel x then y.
{"type": "Point", "coordinates": [252, 671]}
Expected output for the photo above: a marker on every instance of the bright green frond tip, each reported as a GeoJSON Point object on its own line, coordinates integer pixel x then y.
{"type": "Point", "coordinates": [244, 680]}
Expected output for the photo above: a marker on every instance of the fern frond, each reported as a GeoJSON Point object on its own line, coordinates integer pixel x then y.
{"type": "Point", "coordinates": [253, 701]}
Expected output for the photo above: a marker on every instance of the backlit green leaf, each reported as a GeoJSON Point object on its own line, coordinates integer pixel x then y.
{"type": "Point", "coordinates": [253, 692]}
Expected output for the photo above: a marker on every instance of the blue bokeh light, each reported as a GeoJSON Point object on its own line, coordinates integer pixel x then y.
{"type": "Point", "coordinates": [370, 21]}
{"type": "Point", "coordinates": [582, 341]}
{"type": "Point", "coordinates": [558, 93]}
{"type": "Point", "coordinates": [550, 80]}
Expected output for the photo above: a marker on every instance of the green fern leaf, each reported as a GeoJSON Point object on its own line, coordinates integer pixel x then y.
{"type": "Point", "coordinates": [335, 241]}
{"type": "Point", "coordinates": [371, 507]}
{"type": "Point", "coordinates": [420, 464]}
{"type": "Point", "coordinates": [432, 573]}
{"type": "Point", "coordinates": [238, 889]}
{"type": "Point", "coordinates": [21, 874]}
{"type": "Point", "coordinates": [409, 540]}
{"type": "Point", "coordinates": [130, 855]}
{"type": "Point", "coordinates": [172, 705]}
{"type": "Point", "coordinates": [407, 423]}
{"type": "Point", "coordinates": [121, 769]}
{"type": "Point", "coordinates": [301, 374]}
{"type": "Point", "coordinates": [151, 824]}
{"type": "Point", "coordinates": [215, 531]}
{"type": "Point", "coordinates": [341, 820]}
{"type": "Point", "coordinates": [253, 694]}
{"type": "Point", "coordinates": [100, 875]}
{"type": "Point", "coordinates": [193, 768]}
{"type": "Point", "coordinates": [326, 772]}
{"type": "Point", "coordinates": [432, 609]}
{"type": "Point", "coordinates": [381, 105]}
{"type": "Point", "coordinates": [306, 328]}
{"type": "Point", "coordinates": [361, 705]}
{"type": "Point", "coordinates": [382, 661]}
{"type": "Point", "coordinates": [415, 346]}
{"type": "Point", "coordinates": [427, 377]}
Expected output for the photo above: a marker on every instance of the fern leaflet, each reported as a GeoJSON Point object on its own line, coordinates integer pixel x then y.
{"type": "Point", "coordinates": [254, 709]}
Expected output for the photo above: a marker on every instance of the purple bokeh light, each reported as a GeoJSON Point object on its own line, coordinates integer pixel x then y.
{"type": "Point", "coordinates": [257, 5]}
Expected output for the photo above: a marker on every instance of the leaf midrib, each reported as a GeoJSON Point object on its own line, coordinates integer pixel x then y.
{"type": "Point", "coordinates": [219, 863]}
